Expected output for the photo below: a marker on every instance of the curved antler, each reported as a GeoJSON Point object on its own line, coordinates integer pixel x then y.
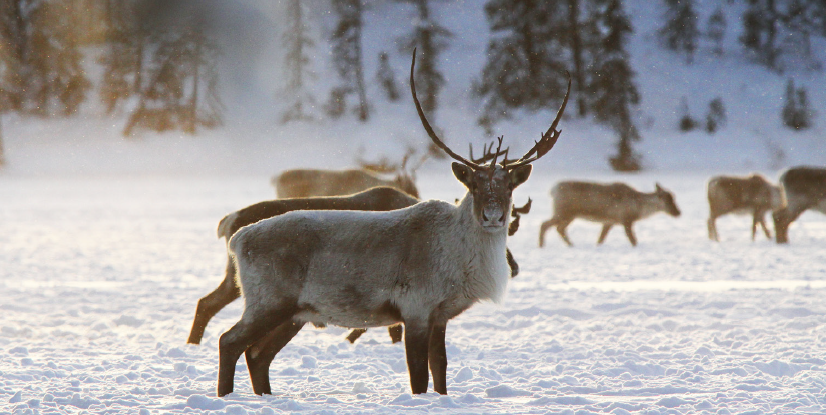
{"type": "Point", "coordinates": [429, 129]}
{"type": "Point", "coordinates": [546, 143]}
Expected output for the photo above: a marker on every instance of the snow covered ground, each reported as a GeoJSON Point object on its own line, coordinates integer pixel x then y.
{"type": "Point", "coordinates": [100, 276]}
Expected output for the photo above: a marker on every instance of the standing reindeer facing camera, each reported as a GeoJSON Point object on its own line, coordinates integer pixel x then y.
{"type": "Point", "coordinates": [421, 266]}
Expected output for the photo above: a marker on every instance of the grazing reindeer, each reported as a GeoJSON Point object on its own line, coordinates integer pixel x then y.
{"type": "Point", "coordinates": [805, 189]}
{"type": "Point", "coordinates": [421, 266]}
{"type": "Point", "coordinates": [743, 195]}
{"type": "Point", "coordinates": [312, 182]}
{"type": "Point", "coordinates": [609, 204]}
{"type": "Point", "coordinates": [375, 199]}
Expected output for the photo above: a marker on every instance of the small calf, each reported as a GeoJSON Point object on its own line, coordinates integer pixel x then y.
{"type": "Point", "coordinates": [609, 204]}
{"type": "Point", "coordinates": [752, 195]}
{"type": "Point", "coordinates": [805, 188]}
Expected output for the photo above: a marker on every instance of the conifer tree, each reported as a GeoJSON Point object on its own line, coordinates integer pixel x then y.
{"type": "Point", "coordinates": [430, 39]}
{"type": "Point", "coordinates": [716, 116]}
{"type": "Point", "coordinates": [298, 44]}
{"type": "Point", "coordinates": [680, 33]}
{"type": "Point", "coordinates": [123, 62]}
{"type": "Point", "coordinates": [796, 112]}
{"type": "Point", "coordinates": [611, 86]}
{"type": "Point", "coordinates": [525, 66]}
{"type": "Point", "coordinates": [182, 87]}
{"type": "Point", "coordinates": [347, 56]}
{"type": "Point", "coordinates": [386, 78]}
{"type": "Point", "coordinates": [716, 30]}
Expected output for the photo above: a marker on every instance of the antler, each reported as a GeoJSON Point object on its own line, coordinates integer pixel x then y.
{"type": "Point", "coordinates": [487, 154]}
{"type": "Point", "coordinates": [429, 129]}
{"type": "Point", "coordinates": [546, 143]}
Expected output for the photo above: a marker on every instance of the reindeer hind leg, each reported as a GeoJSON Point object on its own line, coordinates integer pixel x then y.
{"type": "Point", "coordinates": [260, 355]}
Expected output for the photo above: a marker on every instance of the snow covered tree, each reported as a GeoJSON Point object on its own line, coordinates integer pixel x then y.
{"type": "Point", "coordinates": [716, 116]}
{"type": "Point", "coordinates": [716, 30]}
{"type": "Point", "coordinates": [44, 77]}
{"type": "Point", "coordinates": [796, 112]}
{"type": "Point", "coordinates": [525, 65]}
{"type": "Point", "coordinates": [386, 78]}
{"type": "Point", "coordinates": [123, 61]}
{"type": "Point", "coordinates": [687, 122]}
{"type": "Point", "coordinates": [182, 89]}
{"type": "Point", "coordinates": [298, 44]}
{"type": "Point", "coordinates": [679, 34]}
{"type": "Point", "coordinates": [347, 57]}
{"type": "Point", "coordinates": [431, 39]}
{"type": "Point", "coordinates": [773, 29]}
{"type": "Point", "coordinates": [612, 86]}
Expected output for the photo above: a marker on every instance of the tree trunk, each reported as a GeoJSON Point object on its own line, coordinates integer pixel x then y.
{"type": "Point", "coordinates": [576, 50]}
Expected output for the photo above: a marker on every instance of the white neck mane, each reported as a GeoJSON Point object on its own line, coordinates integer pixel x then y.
{"type": "Point", "coordinates": [485, 263]}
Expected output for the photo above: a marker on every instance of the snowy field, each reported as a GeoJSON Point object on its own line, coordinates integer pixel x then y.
{"type": "Point", "coordinates": [100, 277]}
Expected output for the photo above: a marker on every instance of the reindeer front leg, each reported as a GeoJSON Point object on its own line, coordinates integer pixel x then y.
{"type": "Point", "coordinates": [437, 355]}
{"type": "Point", "coordinates": [629, 232]}
{"type": "Point", "coordinates": [416, 342]}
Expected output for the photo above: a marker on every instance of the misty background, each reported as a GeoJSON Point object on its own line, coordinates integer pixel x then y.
{"type": "Point", "coordinates": [245, 86]}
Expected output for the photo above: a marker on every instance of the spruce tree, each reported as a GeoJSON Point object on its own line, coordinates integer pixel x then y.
{"type": "Point", "coordinates": [716, 116]}
{"type": "Point", "coordinates": [386, 78]}
{"type": "Point", "coordinates": [796, 113]}
{"type": "Point", "coordinates": [612, 82]}
{"type": "Point", "coordinates": [716, 30]}
{"type": "Point", "coordinates": [123, 61]}
{"type": "Point", "coordinates": [760, 27]}
{"type": "Point", "coordinates": [680, 32]}
{"type": "Point", "coordinates": [525, 65]}
{"type": "Point", "coordinates": [298, 44]}
{"type": "Point", "coordinates": [687, 122]}
{"type": "Point", "coordinates": [347, 56]}
{"type": "Point", "coordinates": [182, 87]}
{"type": "Point", "coordinates": [430, 38]}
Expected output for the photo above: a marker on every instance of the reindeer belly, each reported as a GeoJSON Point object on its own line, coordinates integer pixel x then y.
{"type": "Point", "coordinates": [353, 315]}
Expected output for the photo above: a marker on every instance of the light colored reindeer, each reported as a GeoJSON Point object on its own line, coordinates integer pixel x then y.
{"type": "Point", "coordinates": [805, 188]}
{"type": "Point", "coordinates": [422, 266]}
{"type": "Point", "coordinates": [314, 182]}
{"type": "Point", "coordinates": [752, 195]}
{"type": "Point", "coordinates": [609, 204]}
{"type": "Point", "coordinates": [375, 199]}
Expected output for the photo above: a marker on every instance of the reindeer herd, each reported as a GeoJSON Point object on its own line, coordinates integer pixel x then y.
{"type": "Point", "coordinates": [351, 249]}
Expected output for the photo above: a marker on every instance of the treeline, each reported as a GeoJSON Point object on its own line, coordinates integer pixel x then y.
{"type": "Point", "coordinates": [163, 74]}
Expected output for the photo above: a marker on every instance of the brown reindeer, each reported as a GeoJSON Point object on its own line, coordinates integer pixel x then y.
{"type": "Point", "coordinates": [609, 204]}
{"type": "Point", "coordinates": [805, 188]}
{"type": "Point", "coordinates": [752, 195]}
{"type": "Point", "coordinates": [314, 182]}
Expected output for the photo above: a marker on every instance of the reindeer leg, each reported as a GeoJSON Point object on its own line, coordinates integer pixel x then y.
{"type": "Point", "coordinates": [561, 228]}
{"type": "Point", "coordinates": [545, 226]}
{"type": "Point", "coordinates": [763, 225]}
{"type": "Point", "coordinates": [396, 332]}
{"type": "Point", "coordinates": [629, 231]}
{"type": "Point", "coordinates": [416, 343]}
{"type": "Point", "coordinates": [437, 355]}
{"type": "Point", "coordinates": [239, 338]}
{"type": "Point", "coordinates": [605, 229]}
{"type": "Point", "coordinates": [355, 334]}
{"type": "Point", "coordinates": [754, 221]}
{"type": "Point", "coordinates": [712, 229]}
{"type": "Point", "coordinates": [210, 305]}
{"type": "Point", "coordinates": [512, 263]}
{"type": "Point", "coordinates": [260, 355]}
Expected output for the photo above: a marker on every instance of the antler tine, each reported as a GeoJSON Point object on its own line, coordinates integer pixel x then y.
{"type": "Point", "coordinates": [498, 148]}
{"type": "Point", "coordinates": [427, 126]}
{"type": "Point", "coordinates": [548, 140]}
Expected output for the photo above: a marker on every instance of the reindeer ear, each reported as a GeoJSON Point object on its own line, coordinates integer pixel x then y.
{"type": "Point", "coordinates": [520, 174]}
{"type": "Point", "coordinates": [658, 187]}
{"type": "Point", "coordinates": [463, 173]}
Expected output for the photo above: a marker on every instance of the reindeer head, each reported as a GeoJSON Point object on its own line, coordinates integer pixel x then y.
{"type": "Point", "coordinates": [491, 185]}
{"type": "Point", "coordinates": [667, 199]}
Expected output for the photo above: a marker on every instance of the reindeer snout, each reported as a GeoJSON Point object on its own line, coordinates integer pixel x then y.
{"type": "Point", "coordinates": [493, 216]}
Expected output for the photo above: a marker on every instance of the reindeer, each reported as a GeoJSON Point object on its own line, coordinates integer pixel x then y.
{"type": "Point", "coordinates": [421, 265]}
{"type": "Point", "coordinates": [375, 199]}
{"type": "Point", "coordinates": [312, 182]}
{"type": "Point", "coordinates": [609, 204]}
{"type": "Point", "coordinates": [742, 195]}
{"type": "Point", "coordinates": [805, 189]}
